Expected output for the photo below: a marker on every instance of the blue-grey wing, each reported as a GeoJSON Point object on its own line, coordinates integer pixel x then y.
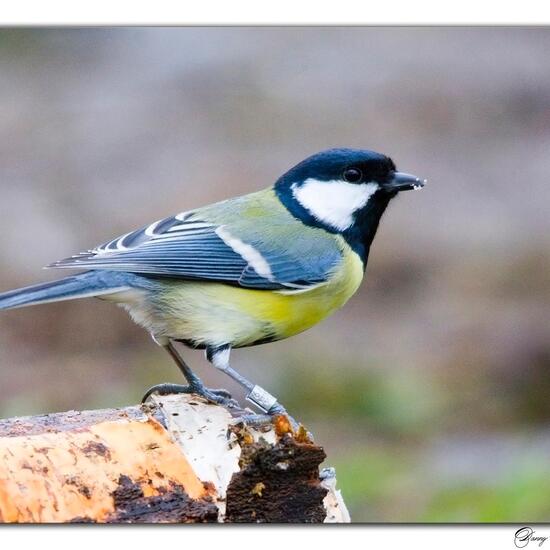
{"type": "Point", "coordinates": [186, 247]}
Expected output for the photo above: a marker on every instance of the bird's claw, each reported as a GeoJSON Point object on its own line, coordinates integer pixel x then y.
{"type": "Point", "coordinates": [166, 389]}
{"type": "Point", "coordinates": [220, 392]}
{"type": "Point", "coordinates": [267, 419]}
{"type": "Point", "coordinates": [220, 397]}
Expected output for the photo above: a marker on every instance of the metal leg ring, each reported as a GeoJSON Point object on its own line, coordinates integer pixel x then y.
{"type": "Point", "coordinates": [261, 398]}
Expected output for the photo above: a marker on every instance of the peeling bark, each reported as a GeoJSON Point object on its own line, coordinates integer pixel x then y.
{"type": "Point", "coordinates": [171, 505]}
{"type": "Point", "coordinates": [277, 484]}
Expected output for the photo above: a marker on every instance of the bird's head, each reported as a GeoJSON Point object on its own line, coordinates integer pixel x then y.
{"type": "Point", "coordinates": [344, 191]}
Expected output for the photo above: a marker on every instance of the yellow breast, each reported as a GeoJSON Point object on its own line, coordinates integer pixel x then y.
{"type": "Point", "coordinates": [292, 312]}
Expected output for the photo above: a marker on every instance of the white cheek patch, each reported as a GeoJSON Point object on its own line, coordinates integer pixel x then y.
{"type": "Point", "coordinates": [334, 202]}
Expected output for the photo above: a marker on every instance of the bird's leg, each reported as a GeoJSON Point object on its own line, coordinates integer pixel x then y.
{"type": "Point", "coordinates": [195, 384]}
{"type": "Point", "coordinates": [219, 357]}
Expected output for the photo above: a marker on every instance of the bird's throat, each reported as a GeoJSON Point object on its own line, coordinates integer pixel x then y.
{"type": "Point", "coordinates": [361, 234]}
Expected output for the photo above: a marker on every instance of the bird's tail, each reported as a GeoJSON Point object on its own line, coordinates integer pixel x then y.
{"type": "Point", "coordinates": [91, 283]}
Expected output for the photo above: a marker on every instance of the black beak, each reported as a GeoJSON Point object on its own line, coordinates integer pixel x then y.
{"type": "Point", "coordinates": [400, 181]}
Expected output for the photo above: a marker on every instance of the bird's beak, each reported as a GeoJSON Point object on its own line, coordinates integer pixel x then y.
{"type": "Point", "coordinates": [404, 182]}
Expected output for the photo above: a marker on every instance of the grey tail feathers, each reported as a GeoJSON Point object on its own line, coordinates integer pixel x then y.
{"type": "Point", "coordinates": [90, 283]}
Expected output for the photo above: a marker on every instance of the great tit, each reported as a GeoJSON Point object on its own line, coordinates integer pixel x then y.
{"type": "Point", "coordinates": [245, 271]}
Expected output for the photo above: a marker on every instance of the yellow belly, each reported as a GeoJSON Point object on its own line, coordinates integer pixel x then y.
{"type": "Point", "coordinates": [207, 313]}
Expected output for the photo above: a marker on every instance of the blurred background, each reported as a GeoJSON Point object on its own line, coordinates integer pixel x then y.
{"type": "Point", "coordinates": [430, 390]}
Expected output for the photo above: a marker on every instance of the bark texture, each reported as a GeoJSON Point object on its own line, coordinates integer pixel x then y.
{"type": "Point", "coordinates": [177, 459]}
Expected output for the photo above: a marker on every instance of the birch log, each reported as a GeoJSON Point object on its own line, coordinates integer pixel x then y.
{"type": "Point", "coordinates": [177, 459]}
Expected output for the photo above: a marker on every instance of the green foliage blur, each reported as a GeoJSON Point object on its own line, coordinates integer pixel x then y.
{"type": "Point", "coordinates": [429, 389]}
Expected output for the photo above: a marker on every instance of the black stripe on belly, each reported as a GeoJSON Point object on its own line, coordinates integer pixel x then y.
{"type": "Point", "coordinates": [201, 345]}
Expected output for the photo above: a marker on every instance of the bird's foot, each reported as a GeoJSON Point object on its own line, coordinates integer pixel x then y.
{"type": "Point", "coordinates": [165, 389]}
{"type": "Point", "coordinates": [261, 399]}
{"type": "Point", "coordinates": [269, 405]}
{"type": "Point", "coordinates": [219, 397]}
{"type": "Point", "coordinates": [268, 421]}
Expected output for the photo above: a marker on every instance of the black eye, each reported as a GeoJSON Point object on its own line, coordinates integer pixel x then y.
{"type": "Point", "coordinates": [352, 175]}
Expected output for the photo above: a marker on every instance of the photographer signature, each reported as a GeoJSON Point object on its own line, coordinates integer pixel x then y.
{"type": "Point", "coordinates": [525, 535]}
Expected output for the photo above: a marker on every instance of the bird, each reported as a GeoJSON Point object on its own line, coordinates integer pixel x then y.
{"type": "Point", "coordinates": [245, 271]}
